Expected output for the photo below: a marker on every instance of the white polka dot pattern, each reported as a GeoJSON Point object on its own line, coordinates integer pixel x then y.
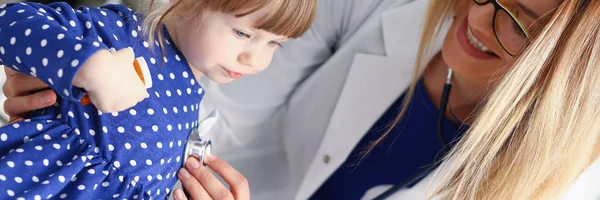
{"type": "Point", "coordinates": [102, 155]}
{"type": "Point", "coordinates": [49, 53]}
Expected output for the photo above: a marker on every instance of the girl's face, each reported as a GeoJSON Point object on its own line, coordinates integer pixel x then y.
{"type": "Point", "coordinates": [224, 47]}
{"type": "Point", "coordinates": [471, 46]}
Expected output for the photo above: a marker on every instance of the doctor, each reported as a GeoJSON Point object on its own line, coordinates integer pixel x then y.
{"type": "Point", "coordinates": [329, 94]}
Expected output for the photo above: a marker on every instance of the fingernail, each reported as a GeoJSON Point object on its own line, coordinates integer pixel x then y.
{"type": "Point", "coordinates": [209, 157]}
{"type": "Point", "coordinates": [193, 163]}
{"type": "Point", "coordinates": [179, 194]}
{"type": "Point", "coordinates": [47, 97]}
{"type": "Point", "coordinates": [183, 172]}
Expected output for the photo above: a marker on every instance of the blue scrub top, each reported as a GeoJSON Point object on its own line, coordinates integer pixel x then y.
{"type": "Point", "coordinates": [411, 146]}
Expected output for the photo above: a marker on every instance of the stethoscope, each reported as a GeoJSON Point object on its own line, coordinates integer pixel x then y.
{"type": "Point", "coordinates": [440, 134]}
{"type": "Point", "coordinates": [199, 148]}
{"type": "Point", "coordinates": [196, 146]}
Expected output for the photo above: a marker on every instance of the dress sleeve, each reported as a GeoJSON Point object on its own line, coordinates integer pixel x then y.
{"type": "Point", "coordinates": [46, 42]}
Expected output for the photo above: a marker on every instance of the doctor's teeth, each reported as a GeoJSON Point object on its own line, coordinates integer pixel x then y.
{"type": "Point", "coordinates": [476, 43]}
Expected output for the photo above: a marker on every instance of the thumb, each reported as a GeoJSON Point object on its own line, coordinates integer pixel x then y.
{"type": "Point", "coordinates": [9, 72]}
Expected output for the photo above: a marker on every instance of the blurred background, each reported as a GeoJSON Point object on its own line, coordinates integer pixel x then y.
{"type": "Point", "coordinates": [74, 3]}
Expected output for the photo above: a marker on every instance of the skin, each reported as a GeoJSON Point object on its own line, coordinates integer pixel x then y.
{"type": "Point", "coordinates": [219, 45]}
{"type": "Point", "coordinates": [110, 81]}
{"type": "Point", "coordinates": [222, 44]}
{"type": "Point", "coordinates": [20, 102]}
{"type": "Point", "coordinates": [222, 47]}
{"type": "Point", "coordinates": [203, 184]}
{"type": "Point", "coordinates": [471, 76]}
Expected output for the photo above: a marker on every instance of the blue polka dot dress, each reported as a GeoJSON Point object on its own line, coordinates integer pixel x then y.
{"type": "Point", "coordinates": [74, 151]}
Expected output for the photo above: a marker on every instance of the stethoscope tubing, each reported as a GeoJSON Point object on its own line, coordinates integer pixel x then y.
{"type": "Point", "coordinates": [440, 134]}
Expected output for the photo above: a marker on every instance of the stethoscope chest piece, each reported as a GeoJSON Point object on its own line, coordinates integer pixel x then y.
{"type": "Point", "coordinates": [196, 146]}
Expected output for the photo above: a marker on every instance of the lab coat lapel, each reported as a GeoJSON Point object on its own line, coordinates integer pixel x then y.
{"type": "Point", "coordinates": [376, 81]}
{"type": "Point", "coordinates": [372, 84]}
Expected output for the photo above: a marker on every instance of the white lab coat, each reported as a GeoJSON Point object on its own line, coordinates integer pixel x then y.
{"type": "Point", "coordinates": [288, 128]}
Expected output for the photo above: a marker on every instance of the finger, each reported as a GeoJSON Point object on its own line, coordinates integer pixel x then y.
{"type": "Point", "coordinates": [13, 120]}
{"type": "Point", "coordinates": [9, 72]}
{"type": "Point", "coordinates": [21, 84]}
{"type": "Point", "coordinates": [191, 185]}
{"type": "Point", "coordinates": [178, 194]}
{"type": "Point", "coordinates": [237, 181]}
{"type": "Point", "coordinates": [20, 105]}
{"type": "Point", "coordinates": [209, 181]}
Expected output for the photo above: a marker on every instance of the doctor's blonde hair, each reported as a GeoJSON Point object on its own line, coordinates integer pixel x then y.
{"type": "Point", "coordinates": [540, 127]}
{"type": "Point", "coordinates": [290, 18]}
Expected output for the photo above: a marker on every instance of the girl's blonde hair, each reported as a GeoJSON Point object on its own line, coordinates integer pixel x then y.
{"type": "Point", "coordinates": [540, 127]}
{"type": "Point", "coordinates": [290, 18]}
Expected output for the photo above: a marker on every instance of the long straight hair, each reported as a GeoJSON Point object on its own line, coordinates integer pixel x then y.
{"type": "Point", "coordinates": [438, 12]}
{"type": "Point", "coordinates": [540, 127]}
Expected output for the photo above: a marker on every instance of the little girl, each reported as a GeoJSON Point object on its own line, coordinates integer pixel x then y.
{"type": "Point", "coordinates": [109, 149]}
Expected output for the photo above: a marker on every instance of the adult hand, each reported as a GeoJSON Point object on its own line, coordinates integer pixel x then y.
{"type": "Point", "coordinates": [201, 183]}
{"type": "Point", "coordinates": [21, 96]}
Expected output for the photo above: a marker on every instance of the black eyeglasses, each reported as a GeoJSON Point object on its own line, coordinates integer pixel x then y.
{"type": "Point", "coordinates": [513, 37]}
{"type": "Point", "coordinates": [510, 32]}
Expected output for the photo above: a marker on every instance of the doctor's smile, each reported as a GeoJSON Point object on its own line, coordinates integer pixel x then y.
{"type": "Point", "coordinates": [471, 43]}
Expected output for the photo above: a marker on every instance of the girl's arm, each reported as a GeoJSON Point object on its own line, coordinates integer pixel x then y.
{"type": "Point", "coordinates": [57, 45]}
{"type": "Point", "coordinates": [47, 43]}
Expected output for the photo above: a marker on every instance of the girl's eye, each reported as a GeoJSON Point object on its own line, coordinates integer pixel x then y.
{"type": "Point", "coordinates": [241, 34]}
{"type": "Point", "coordinates": [274, 43]}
